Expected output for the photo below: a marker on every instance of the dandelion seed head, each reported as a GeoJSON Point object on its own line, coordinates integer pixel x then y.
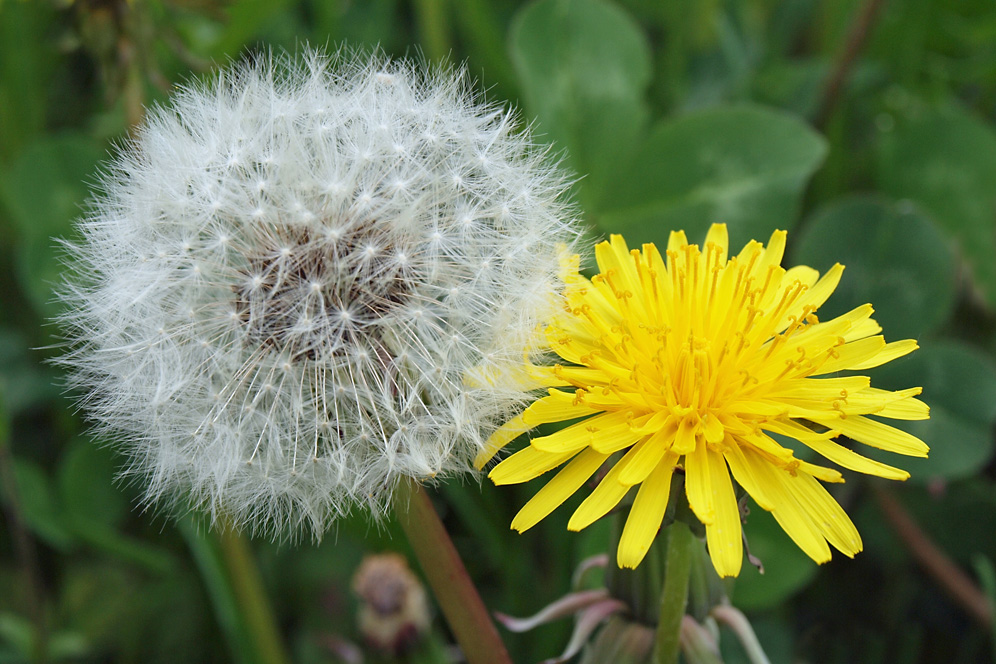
{"type": "Point", "coordinates": [291, 271]}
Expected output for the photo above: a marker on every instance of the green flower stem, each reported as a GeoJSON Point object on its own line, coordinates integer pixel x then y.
{"type": "Point", "coordinates": [247, 587]}
{"type": "Point", "coordinates": [451, 585]}
{"type": "Point", "coordinates": [674, 595]}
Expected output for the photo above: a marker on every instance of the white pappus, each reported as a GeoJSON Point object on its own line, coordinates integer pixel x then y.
{"type": "Point", "coordinates": [290, 273]}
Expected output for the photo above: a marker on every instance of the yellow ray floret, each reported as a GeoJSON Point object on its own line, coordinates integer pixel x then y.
{"type": "Point", "coordinates": [685, 362]}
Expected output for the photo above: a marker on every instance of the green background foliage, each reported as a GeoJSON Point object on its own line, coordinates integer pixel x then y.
{"type": "Point", "coordinates": [673, 115]}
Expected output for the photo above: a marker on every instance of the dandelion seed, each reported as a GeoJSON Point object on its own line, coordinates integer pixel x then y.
{"type": "Point", "coordinates": [692, 360]}
{"type": "Point", "coordinates": [260, 313]}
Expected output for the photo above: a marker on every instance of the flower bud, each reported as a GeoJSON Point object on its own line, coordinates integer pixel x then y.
{"type": "Point", "coordinates": [394, 610]}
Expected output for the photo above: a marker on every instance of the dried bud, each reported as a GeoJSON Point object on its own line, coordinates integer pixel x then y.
{"type": "Point", "coordinates": [394, 610]}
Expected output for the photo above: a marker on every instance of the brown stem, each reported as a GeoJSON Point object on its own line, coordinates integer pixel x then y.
{"type": "Point", "coordinates": [952, 580]}
{"type": "Point", "coordinates": [856, 39]}
{"type": "Point", "coordinates": [457, 597]}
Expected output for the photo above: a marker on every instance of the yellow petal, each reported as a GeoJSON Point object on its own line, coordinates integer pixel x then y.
{"type": "Point", "coordinates": [899, 405]}
{"type": "Point", "coordinates": [889, 353]}
{"type": "Point", "coordinates": [504, 435]}
{"type": "Point", "coordinates": [822, 289]}
{"type": "Point", "coordinates": [612, 439]}
{"type": "Point", "coordinates": [746, 476]}
{"type": "Point", "coordinates": [712, 428]}
{"type": "Point", "coordinates": [750, 249]}
{"type": "Point", "coordinates": [851, 355]}
{"type": "Point", "coordinates": [556, 407]}
{"type": "Point", "coordinates": [526, 464]}
{"type": "Point", "coordinates": [719, 237]}
{"type": "Point", "coordinates": [907, 409]}
{"type": "Point", "coordinates": [819, 472]}
{"type": "Point", "coordinates": [804, 274]}
{"type": "Point", "coordinates": [684, 439]}
{"type": "Point", "coordinates": [819, 388]}
{"type": "Point", "coordinates": [698, 484]}
{"type": "Point", "coordinates": [723, 535]}
{"type": "Point", "coordinates": [646, 514]}
{"type": "Point", "coordinates": [773, 253]}
{"type": "Point", "coordinates": [578, 436]}
{"type": "Point", "coordinates": [876, 434]}
{"type": "Point", "coordinates": [862, 329]}
{"type": "Point", "coordinates": [581, 376]}
{"type": "Point", "coordinates": [675, 241]}
{"type": "Point", "coordinates": [835, 452]}
{"type": "Point", "coordinates": [560, 488]}
{"type": "Point", "coordinates": [606, 495]}
{"type": "Point", "coordinates": [827, 515]}
{"type": "Point", "coordinates": [790, 515]}
{"type": "Point", "coordinates": [646, 455]}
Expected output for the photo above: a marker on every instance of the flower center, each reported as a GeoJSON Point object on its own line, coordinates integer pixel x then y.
{"type": "Point", "coordinates": [319, 291]}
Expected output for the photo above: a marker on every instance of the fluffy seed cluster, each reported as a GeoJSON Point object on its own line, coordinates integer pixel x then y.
{"type": "Point", "coordinates": [294, 273]}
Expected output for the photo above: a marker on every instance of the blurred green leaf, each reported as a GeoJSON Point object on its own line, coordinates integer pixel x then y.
{"type": "Point", "coordinates": [986, 572]}
{"type": "Point", "coordinates": [379, 22]}
{"type": "Point", "coordinates": [960, 517]}
{"type": "Point", "coordinates": [774, 634]}
{"type": "Point", "coordinates": [44, 190]}
{"type": "Point", "coordinates": [24, 383]}
{"type": "Point", "coordinates": [39, 508]}
{"type": "Point", "coordinates": [791, 84]}
{"type": "Point", "coordinates": [98, 598]}
{"type": "Point", "coordinates": [86, 484]}
{"type": "Point", "coordinates": [584, 66]}
{"type": "Point", "coordinates": [959, 384]}
{"type": "Point", "coordinates": [26, 65]}
{"type": "Point", "coordinates": [745, 166]}
{"type": "Point", "coordinates": [19, 633]}
{"type": "Point", "coordinates": [896, 259]}
{"type": "Point", "coordinates": [786, 568]}
{"type": "Point", "coordinates": [482, 34]}
{"type": "Point", "coordinates": [94, 507]}
{"type": "Point", "coordinates": [945, 161]}
{"type": "Point", "coordinates": [246, 19]}
{"type": "Point", "coordinates": [490, 536]}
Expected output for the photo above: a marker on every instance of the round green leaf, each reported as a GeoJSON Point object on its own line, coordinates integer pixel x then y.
{"type": "Point", "coordinates": [959, 384]}
{"type": "Point", "coordinates": [786, 568]}
{"type": "Point", "coordinates": [584, 66]}
{"type": "Point", "coordinates": [946, 163]}
{"type": "Point", "coordinates": [745, 166]}
{"type": "Point", "coordinates": [896, 259]}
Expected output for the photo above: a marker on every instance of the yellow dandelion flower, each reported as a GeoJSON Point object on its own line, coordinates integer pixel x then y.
{"type": "Point", "coordinates": [693, 360]}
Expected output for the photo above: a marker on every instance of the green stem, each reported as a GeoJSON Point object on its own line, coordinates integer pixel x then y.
{"type": "Point", "coordinates": [236, 590]}
{"type": "Point", "coordinates": [457, 597]}
{"type": "Point", "coordinates": [247, 586]}
{"type": "Point", "coordinates": [674, 596]}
